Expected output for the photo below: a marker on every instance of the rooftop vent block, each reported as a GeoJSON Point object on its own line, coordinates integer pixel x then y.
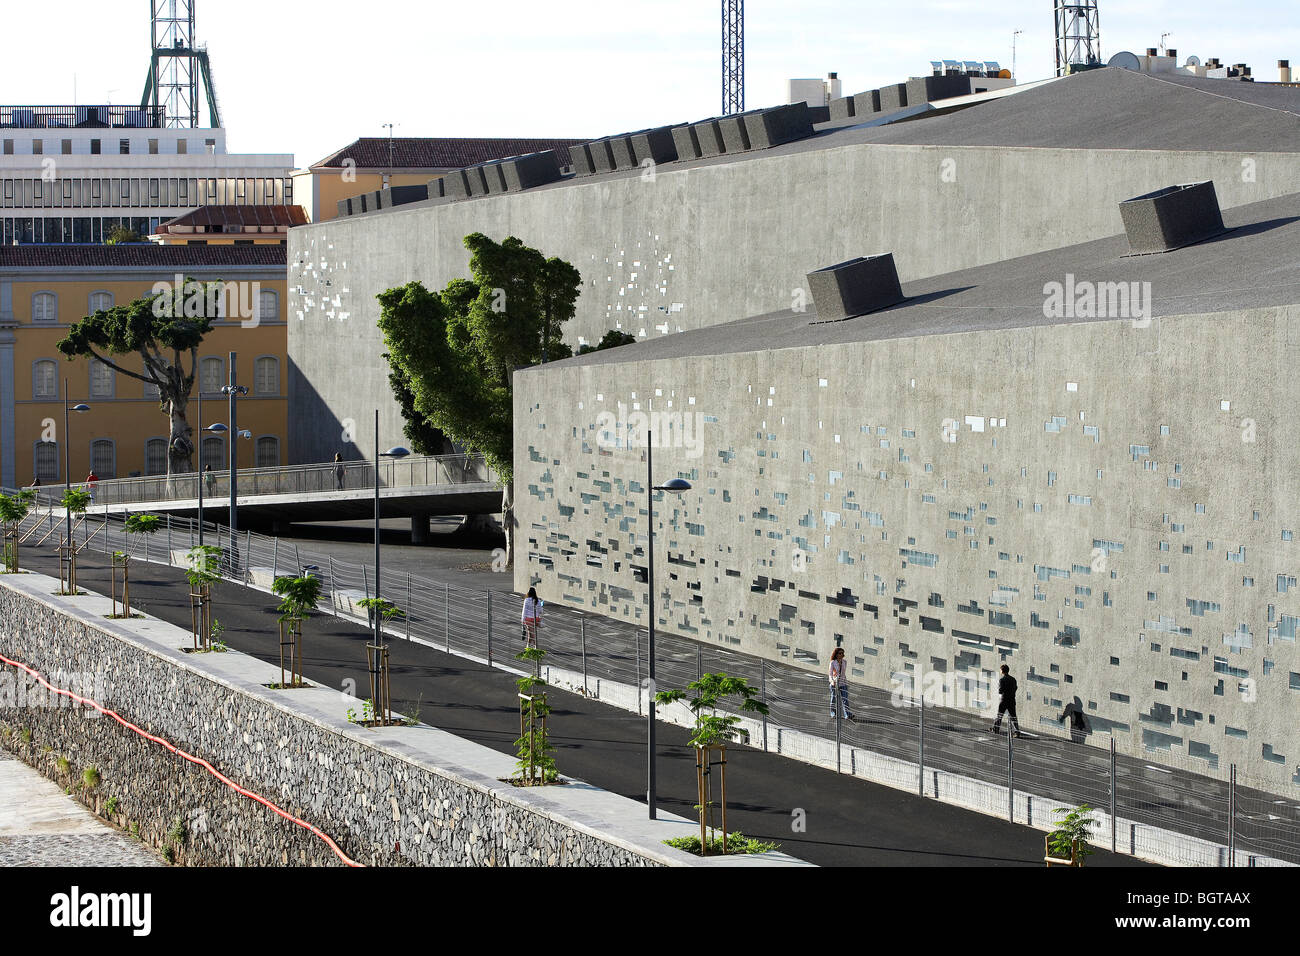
{"type": "Point", "coordinates": [345, 207]}
{"type": "Point", "coordinates": [842, 108]}
{"type": "Point", "coordinates": [734, 136]}
{"type": "Point", "coordinates": [866, 102]}
{"type": "Point", "coordinates": [533, 169]}
{"type": "Point", "coordinates": [927, 89]}
{"type": "Point", "coordinates": [621, 146]}
{"type": "Point", "coordinates": [780, 124]}
{"type": "Point", "coordinates": [401, 195]}
{"type": "Point", "coordinates": [437, 188]}
{"type": "Point", "coordinates": [456, 184]}
{"type": "Point", "coordinates": [1171, 218]}
{"type": "Point", "coordinates": [893, 97]}
{"type": "Point", "coordinates": [602, 156]}
{"type": "Point", "coordinates": [710, 138]}
{"type": "Point", "coordinates": [581, 157]}
{"type": "Point", "coordinates": [856, 287]}
{"type": "Point", "coordinates": [657, 145]}
{"type": "Point", "coordinates": [687, 141]}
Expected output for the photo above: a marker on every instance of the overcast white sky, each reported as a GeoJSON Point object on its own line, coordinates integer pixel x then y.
{"type": "Point", "coordinates": [309, 78]}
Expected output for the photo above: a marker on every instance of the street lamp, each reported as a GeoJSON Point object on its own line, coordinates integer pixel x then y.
{"type": "Point", "coordinates": [219, 429]}
{"type": "Point", "coordinates": [378, 657]}
{"type": "Point", "coordinates": [676, 486]}
{"type": "Point", "coordinates": [67, 467]}
{"type": "Point", "coordinates": [232, 392]}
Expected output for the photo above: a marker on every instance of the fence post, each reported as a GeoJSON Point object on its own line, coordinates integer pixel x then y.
{"type": "Point", "coordinates": [408, 605]}
{"type": "Point", "coordinates": [836, 706]}
{"type": "Point", "coordinates": [582, 633]}
{"type": "Point", "coordinates": [365, 580]}
{"type": "Point", "coordinates": [446, 616]}
{"type": "Point", "coordinates": [275, 559]}
{"type": "Point", "coordinates": [699, 662]}
{"type": "Point", "coordinates": [169, 537]}
{"type": "Point", "coordinates": [489, 609]}
{"type": "Point", "coordinates": [334, 591]}
{"type": "Point", "coordinates": [1113, 801]}
{"type": "Point", "coordinates": [920, 748]}
{"type": "Point", "coordinates": [1232, 816]}
{"type": "Point", "coordinates": [636, 634]}
{"type": "Point", "coordinates": [763, 692]}
{"type": "Point", "coordinates": [1011, 775]}
{"type": "Point", "coordinates": [245, 572]}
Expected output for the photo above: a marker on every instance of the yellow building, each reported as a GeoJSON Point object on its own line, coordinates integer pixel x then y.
{"type": "Point", "coordinates": [374, 162]}
{"type": "Point", "coordinates": [44, 289]}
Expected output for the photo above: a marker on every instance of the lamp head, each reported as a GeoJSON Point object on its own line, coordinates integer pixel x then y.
{"type": "Point", "coordinates": [677, 485]}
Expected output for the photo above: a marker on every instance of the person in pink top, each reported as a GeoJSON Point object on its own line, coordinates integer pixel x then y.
{"type": "Point", "coordinates": [532, 617]}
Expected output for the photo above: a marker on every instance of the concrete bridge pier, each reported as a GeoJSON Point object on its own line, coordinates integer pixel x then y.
{"type": "Point", "coordinates": [420, 529]}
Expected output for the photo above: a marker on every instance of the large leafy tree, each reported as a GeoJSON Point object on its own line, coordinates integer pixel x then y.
{"type": "Point", "coordinates": [162, 329]}
{"type": "Point", "coordinates": [452, 353]}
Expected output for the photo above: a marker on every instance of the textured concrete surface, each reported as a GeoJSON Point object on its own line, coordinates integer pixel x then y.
{"type": "Point", "coordinates": [41, 826]}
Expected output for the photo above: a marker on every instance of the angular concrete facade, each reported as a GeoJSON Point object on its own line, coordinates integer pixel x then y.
{"type": "Point", "coordinates": [1107, 506]}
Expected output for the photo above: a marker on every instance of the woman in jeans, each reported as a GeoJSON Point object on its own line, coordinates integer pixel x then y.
{"type": "Point", "coordinates": [839, 684]}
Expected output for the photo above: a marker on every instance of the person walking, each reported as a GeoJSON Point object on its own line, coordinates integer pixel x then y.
{"type": "Point", "coordinates": [339, 471]}
{"type": "Point", "coordinates": [36, 482]}
{"type": "Point", "coordinates": [209, 480]}
{"type": "Point", "coordinates": [532, 617]}
{"type": "Point", "coordinates": [91, 479]}
{"type": "Point", "coordinates": [1006, 702]}
{"type": "Point", "coordinates": [839, 684]}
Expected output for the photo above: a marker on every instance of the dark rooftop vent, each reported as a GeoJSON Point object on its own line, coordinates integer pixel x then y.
{"type": "Point", "coordinates": [856, 287]}
{"type": "Point", "coordinates": [1171, 218]}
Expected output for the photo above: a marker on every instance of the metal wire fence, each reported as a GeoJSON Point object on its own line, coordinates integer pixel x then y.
{"type": "Point", "coordinates": [1179, 810]}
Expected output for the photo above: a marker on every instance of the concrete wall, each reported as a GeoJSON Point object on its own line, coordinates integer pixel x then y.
{"type": "Point", "coordinates": [1059, 498]}
{"type": "Point", "coordinates": [701, 245]}
{"type": "Point", "coordinates": [401, 795]}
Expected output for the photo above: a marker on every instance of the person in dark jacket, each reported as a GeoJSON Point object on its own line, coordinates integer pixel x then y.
{"type": "Point", "coordinates": [1006, 701]}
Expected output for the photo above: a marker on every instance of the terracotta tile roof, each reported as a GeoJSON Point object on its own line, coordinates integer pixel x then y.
{"type": "Point", "coordinates": [138, 255]}
{"type": "Point", "coordinates": [207, 217]}
{"type": "Point", "coordinates": [371, 152]}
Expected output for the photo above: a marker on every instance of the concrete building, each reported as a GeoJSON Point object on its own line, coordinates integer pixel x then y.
{"type": "Point", "coordinates": [45, 289]}
{"type": "Point", "coordinates": [69, 174]}
{"type": "Point", "coordinates": [1077, 463]}
{"type": "Point", "coordinates": [990, 177]}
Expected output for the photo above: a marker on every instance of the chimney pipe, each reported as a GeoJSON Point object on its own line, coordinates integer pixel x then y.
{"type": "Point", "coordinates": [1284, 71]}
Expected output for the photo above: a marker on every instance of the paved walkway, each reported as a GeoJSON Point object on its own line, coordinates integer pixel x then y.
{"type": "Point", "coordinates": [40, 825]}
{"type": "Point", "coordinates": [847, 821]}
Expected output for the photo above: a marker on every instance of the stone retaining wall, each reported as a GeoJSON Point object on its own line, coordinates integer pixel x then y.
{"type": "Point", "coordinates": [405, 795]}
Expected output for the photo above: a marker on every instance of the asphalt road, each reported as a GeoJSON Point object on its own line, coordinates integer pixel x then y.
{"type": "Point", "coordinates": [849, 822]}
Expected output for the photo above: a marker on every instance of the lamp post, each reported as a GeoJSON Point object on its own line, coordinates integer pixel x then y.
{"type": "Point", "coordinates": [377, 654]}
{"type": "Point", "coordinates": [199, 471]}
{"type": "Point", "coordinates": [232, 392]}
{"type": "Point", "coordinates": [67, 459]}
{"type": "Point", "coordinates": [395, 452]}
{"type": "Point", "coordinates": [675, 485]}
{"type": "Point", "coordinates": [218, 428]}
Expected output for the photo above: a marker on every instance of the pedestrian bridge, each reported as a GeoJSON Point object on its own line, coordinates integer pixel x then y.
{"type": "Point", "coordinates": [417, 488]}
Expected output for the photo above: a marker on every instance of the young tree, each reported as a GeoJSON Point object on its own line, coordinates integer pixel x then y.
{"type": "Point", "coordinates": [454, 351]}
{"type": "Point", "coordinates": [121, 234]}
{"type": "Point", "coordinates": [161, 328]}
{"type": "Point", "coordinates": [13, 510]}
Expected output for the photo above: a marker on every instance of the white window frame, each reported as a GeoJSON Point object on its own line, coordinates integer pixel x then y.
{"type": "Point", "coordinates": [261, 312]}
{"type": "Point", "coordinates": [90, 301]}
{"type": "Point", "coordinates": [257, 389]}
{"type": "Point", "coordinates": [54, 310]}
{"type": "Point", "coordinates": [36, 394]}
{"type": "Point", "coordinates": [112, 381]}
{"type": "Point", "coordinates": [221, 375]}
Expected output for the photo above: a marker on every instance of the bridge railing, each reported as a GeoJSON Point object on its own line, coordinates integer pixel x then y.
{"type": "Point", "coordinates": [415, 472]}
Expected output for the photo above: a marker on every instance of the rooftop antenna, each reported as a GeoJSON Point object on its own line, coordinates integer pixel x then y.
{"type": "Point", "coordinates": [172, 87]}
{"type": "Point", "coordinates": [1162, 39]}
{"type": "Point", "coordinates": [388, 176]}
{"type": "Point", "coordinates": [1078, 35]}
{"type": "Point", "coordinates": [1013, 52]}
{"type": "Point", "coordinates": [733, 57]}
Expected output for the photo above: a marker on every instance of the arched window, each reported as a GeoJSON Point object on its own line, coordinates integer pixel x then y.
{"type": "Point", "coordinates": [151, 391]}
{"type": "Point", "coordinates": [155, 456]}
{"type": "Point", "coordinates": [266, 376]}
{"type": "Point", "coordinates": [268, 452]}
{"type": "Point", "coordinates": [45, 380]}
{"type": "Point", "coordinates": [100, 302]}
{"type": "Point", "coordinates": [268, 306]}
{"type": "Point", "coordinates": [46, 464]}
{"type": "Point", "coordinates": [101, 380]}
{"type": "Point", "coordinates": [45, 308]}
{"type": "Point", "coordinates": [214, 452]}
{"type": "Point", "coordinates": [212, 375]}
{"type": "Point", "coordinates": [103, 458]}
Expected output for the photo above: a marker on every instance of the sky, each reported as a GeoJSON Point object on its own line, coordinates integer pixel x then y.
{"type": "Point", "coordinates": [308, 79]}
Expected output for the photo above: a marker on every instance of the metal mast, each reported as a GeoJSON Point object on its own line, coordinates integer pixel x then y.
{"type": "Point", "coordinates": [733, 57]}
{"type": "Point", "coordinates": [1078, 35]}
{"type": "Point", "coordinates": [172, 87]}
